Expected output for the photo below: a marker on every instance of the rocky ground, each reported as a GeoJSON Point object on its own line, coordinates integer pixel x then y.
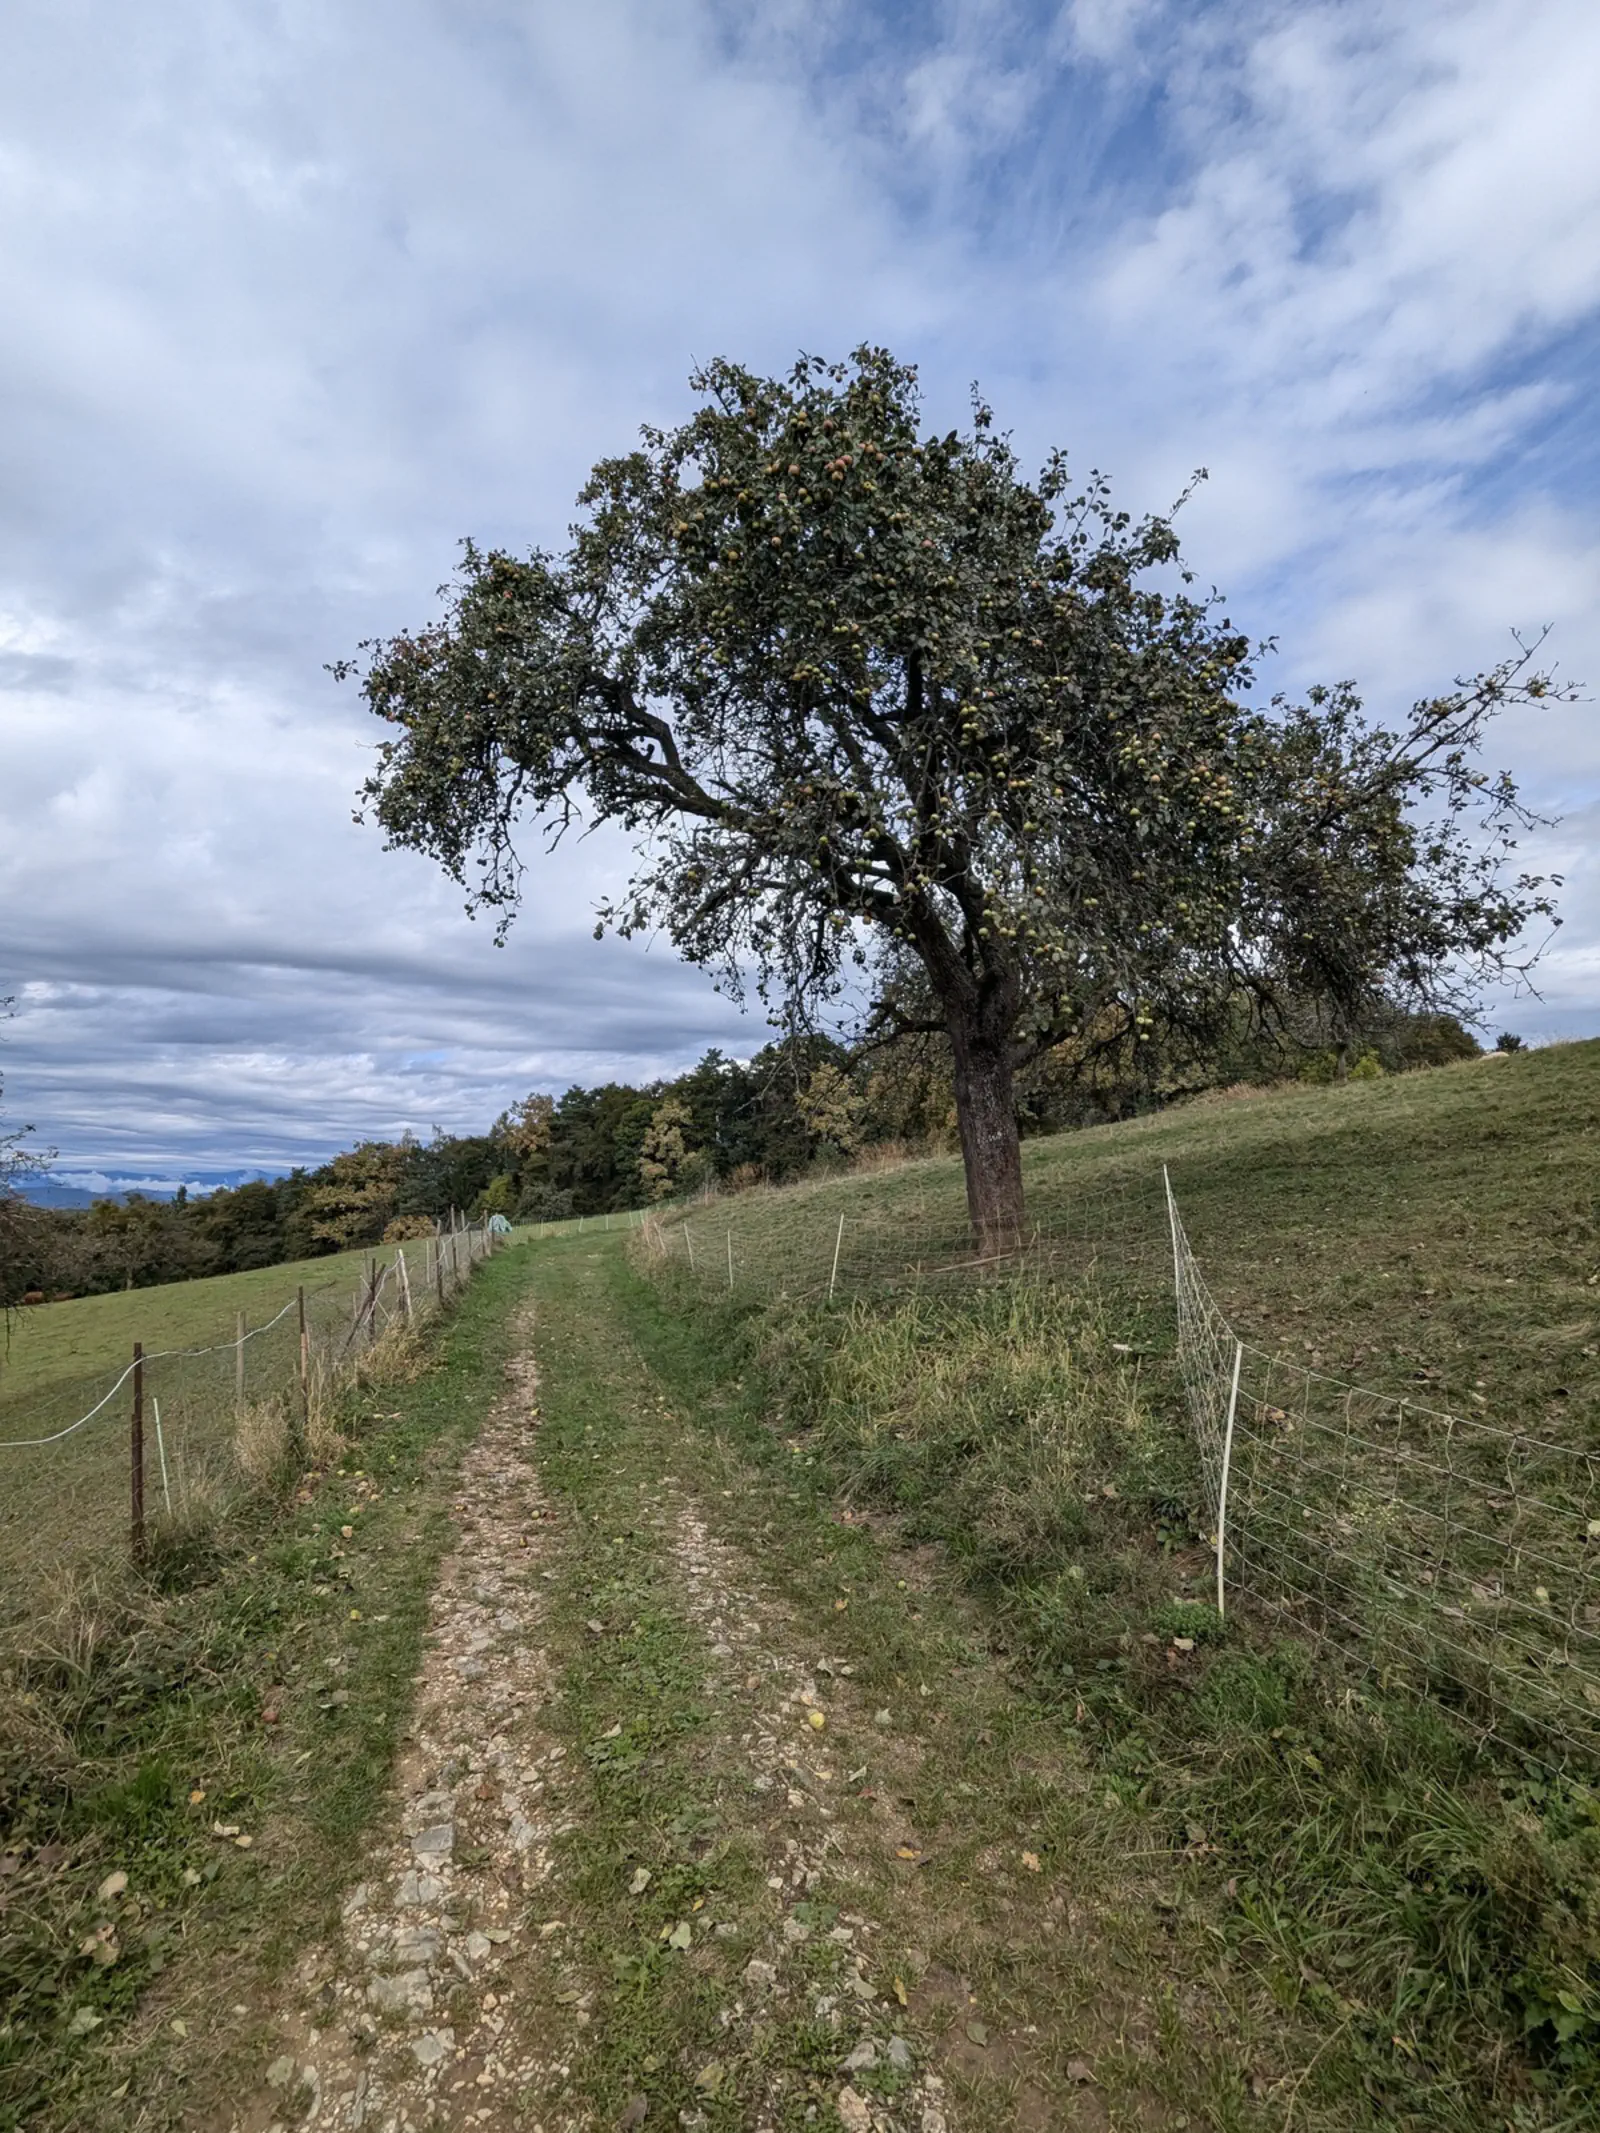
{"type": "Point", "coordinates": [710, 1817]}
{"type": "Point", "coordinates": [414, 2018]}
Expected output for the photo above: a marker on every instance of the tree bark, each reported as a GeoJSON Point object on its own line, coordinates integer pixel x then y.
{"type": "Point", "coordinates": [991, 1146]}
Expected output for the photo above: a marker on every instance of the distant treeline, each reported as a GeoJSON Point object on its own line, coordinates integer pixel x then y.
{"type": "Point", "coordinates": [794, 1108]}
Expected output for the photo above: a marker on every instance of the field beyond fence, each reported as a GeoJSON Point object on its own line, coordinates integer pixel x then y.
{"type": "Point", "coordinates": [1443, 1551]}
{"type": "Point", "coordinates": [102, 1464]}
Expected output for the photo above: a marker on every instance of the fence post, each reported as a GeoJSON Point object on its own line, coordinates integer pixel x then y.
{"type": "Point", "coordinates": [305, 1373]}
{"type": "Point", "coordinates": [688, 1244]}
{"type": "Point", "coordinates": [405, 1280]}
{"type": "Point", "coordinates": [730, 1262]}
{"type": "Point", "coordinates": [438, 1270]}
{"type": "Point", "coordinates": [161, 1454]}
{"type": "Point", "coordinates": [1227, 1462]}
{"type": "Point", "coordinates": [238, 1363]}
{"type": "Point", "coordinates": [1177, 1261]}
{"type": "Point", "coordinates": [834, 1276]}
{"type": "Point", "coordinates": [136, 1450]}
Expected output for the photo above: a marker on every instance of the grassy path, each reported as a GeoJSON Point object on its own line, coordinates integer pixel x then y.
{"type": "Point", "coordinates": [747, 1826]}
{"type": "Point", "coordinates": [920, 1910]}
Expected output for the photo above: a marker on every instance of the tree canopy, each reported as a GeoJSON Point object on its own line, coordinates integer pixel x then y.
{"type": "Point", "coordinates": [864, 692]}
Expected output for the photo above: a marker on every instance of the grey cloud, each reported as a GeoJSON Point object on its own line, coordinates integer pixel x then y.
{"type": "Point", "coordinates": [297, 297]}
{"type": "Point", "coordinates": [34, 670]}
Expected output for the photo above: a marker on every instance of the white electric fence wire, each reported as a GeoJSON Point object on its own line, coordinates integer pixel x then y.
{"type": "Point", "coordinates": [366, 1308]}
{"type": "Point", "coordinates": [156, 1355]}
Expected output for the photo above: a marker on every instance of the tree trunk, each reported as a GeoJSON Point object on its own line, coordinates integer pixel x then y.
{"type": "Point", "coordinates": [991, 1147]}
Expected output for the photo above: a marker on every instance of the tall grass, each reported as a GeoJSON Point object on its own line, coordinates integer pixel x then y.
{"type": "Point", "coordinates": [1439, 1908]}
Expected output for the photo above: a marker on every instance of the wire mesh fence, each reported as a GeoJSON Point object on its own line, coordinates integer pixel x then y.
{"type": "Point", "coordinates": [1441, 1552]}
{"type": "Point", "coordinates": [1444, 1555]}
{"type": "Point", "coordinates": [866, 1233]}
{"type": "Point", "coordinates": [100, 1464]}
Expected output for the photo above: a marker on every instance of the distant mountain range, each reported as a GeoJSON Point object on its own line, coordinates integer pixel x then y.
{"type": "Point", "coordinates": [53, 1192]}
{"type": "Point", "coordinates": [44, 1192]}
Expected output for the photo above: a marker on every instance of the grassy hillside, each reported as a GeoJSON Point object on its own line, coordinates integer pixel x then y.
{"type": "Point", "coordinates": [1444, 1223]}
{"type": "Point", "coordinates": [1396, 1875]}
{"type": "Point", "coordinates": [213, 1415]}
{"type": "Point", "coordinates": [1438, 1228]}
{"type": "Point", "coordinates": [89, 1334]}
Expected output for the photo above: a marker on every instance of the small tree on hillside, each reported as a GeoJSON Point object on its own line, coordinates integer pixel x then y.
{"type": "Point", "coordinates": [664, 1150]}
{"type": "Point", "coordinates": [845, 679]}
{"type": "Point", "coordinates": [354, 1200]}
{"type": "Point", "coordinates": [525, 1128]}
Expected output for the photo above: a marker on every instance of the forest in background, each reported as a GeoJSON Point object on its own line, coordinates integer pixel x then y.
{"type": "Point", "coordinates": [796, 1107]}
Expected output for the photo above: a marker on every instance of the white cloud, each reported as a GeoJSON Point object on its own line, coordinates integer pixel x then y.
{"type": "Point", "coordinates": [297, 296]}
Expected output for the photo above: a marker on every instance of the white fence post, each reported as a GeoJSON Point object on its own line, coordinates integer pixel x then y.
{"type": "Point", "coordinates": [161, 1453]}
{"type": "Point", "coordinates": [833, 1278]}
{"type": "Point", "coordinates": [1227, 1462]}
{"type": "Point", "coordinates": [1172, 1224]}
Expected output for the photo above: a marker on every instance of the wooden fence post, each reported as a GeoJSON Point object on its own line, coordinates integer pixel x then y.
{"type": "Point", "coordinates": [238, 1363]}
{"type": "Point", "coordinates": [136, 1448]}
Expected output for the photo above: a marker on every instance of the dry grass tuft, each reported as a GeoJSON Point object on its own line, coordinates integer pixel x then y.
{"type": "Point", "coordinates": [261, 1440]}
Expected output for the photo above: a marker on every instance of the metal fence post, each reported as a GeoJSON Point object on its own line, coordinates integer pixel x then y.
{"type": "Point", "coordinates": [238, 1363]}
{"type": "Point", "coordinates": [136, 1450]}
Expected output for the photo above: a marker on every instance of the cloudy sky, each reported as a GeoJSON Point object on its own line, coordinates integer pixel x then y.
{"type": "Point", "coordinates": [299, 292]}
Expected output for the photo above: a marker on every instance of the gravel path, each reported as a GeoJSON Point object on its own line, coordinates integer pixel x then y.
{"type": "Point", "coordinates": [803, 1727]}
{"type": "Point", "coordinates": [460, 1991]}
{"type": "Point", "coordinates": [417, 2017]}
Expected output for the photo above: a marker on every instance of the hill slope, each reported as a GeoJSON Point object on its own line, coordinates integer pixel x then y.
{"type": "Point", "coordinates": [1440, 1227]}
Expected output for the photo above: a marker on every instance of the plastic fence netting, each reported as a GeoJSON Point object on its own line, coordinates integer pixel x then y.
{"type": "Point", "coordinates": [868, 1234]}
